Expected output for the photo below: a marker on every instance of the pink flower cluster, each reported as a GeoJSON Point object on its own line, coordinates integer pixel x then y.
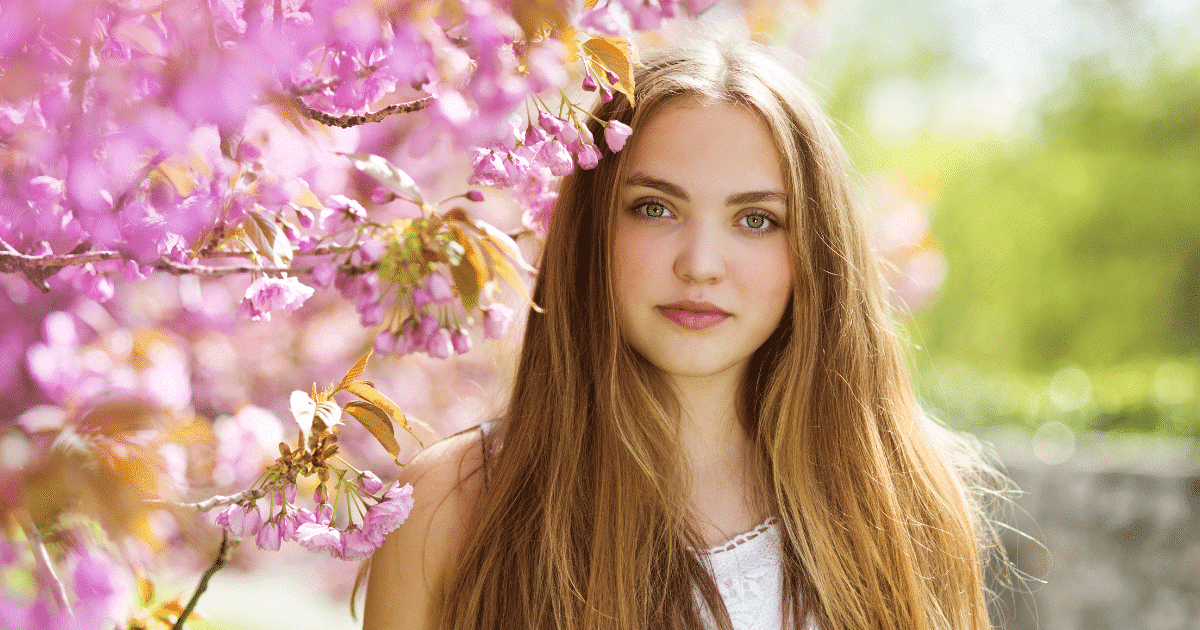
{"type": "Point", "coordinates": [550, 148]}
{"type": "Point", "coordinates": [319, 530]}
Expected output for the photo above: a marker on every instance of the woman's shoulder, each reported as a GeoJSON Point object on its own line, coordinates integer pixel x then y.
{"type": "Point", "coordinates": [409, 571]}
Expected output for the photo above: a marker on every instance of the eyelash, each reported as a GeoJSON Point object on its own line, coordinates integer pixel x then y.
{"type": "Point", "coordinates": [771, 223]}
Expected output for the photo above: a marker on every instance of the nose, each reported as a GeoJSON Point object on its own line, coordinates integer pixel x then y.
{"type": "Point", "coordinates": [700, 258]}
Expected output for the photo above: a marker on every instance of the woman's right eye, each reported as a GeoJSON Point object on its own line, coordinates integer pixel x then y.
{"type": "Point", "coordinates": [651, 209]}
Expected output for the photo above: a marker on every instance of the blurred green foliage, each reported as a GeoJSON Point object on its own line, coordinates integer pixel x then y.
{"type": "Point", "coordinates": [1073, 291]}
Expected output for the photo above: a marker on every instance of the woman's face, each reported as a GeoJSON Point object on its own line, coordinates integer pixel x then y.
{"type": "Point", "coordinates": [702, 216]}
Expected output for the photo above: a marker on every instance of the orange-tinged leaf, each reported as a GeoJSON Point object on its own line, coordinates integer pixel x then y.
{"type": "Point", "coordinates": [145, 590]}
{"type": "Point", "coordinates": [367, 392]}
{"type": "Point", "coordinates": [506, 271]}
{"type": "Point", "coordinates": [354, 372]}
{"type": "Point", "coordinates": [376, 421]}
{"type": "Point", "coordinates": [472, 271]}
{"type": "Point", "coordinates": [538, 16]}
{"type": "Point", "coordinates": [567, 36]}
{"type": "Point", "coordinates": [504, 243]}
{"type": "Point", "coordinates": [614, 53]}
{"type": "Point", "coordinates": [178, 175]}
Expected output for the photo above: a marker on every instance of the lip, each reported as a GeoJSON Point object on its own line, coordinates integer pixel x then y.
{"type": "Point", "coordinates": [695, 307]}
{"type": "Point", "coordinates": [694, 320]}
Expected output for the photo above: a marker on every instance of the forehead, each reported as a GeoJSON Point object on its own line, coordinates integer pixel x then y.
{"type": "Point", "coordinates": [719, 146]}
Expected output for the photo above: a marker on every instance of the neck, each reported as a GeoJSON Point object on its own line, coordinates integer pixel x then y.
{"type": "Point", "coordinates": [719, 454]}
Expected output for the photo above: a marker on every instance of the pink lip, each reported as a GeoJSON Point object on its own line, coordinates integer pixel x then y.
{"type": "Point", "coordinates": [695, 307]}
{"type": "Point", "coordinates": [691, 319]}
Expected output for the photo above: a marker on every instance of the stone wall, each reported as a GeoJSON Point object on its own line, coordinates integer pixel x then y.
{"type": "Point", "coordinates": [1117, 529]}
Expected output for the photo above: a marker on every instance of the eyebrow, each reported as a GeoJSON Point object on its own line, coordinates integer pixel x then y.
{"type": "Point", "coordinates": [736, 199]}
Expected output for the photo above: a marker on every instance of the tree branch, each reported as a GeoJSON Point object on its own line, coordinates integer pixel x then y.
{"type": "Point", "coordinates": [217, 565]}
{"type": "Point", "coordinates": [362, 119]}
{"type": "Point", "coordinates": [40, 267]}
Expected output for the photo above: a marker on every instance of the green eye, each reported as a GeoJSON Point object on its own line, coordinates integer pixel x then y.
{"type": "Point", "coordinates": [756, 221]}
{"type": "Point", "coordinates": [653, 210]}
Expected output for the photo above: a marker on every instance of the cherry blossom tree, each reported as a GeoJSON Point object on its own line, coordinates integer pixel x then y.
{"type": "Point", "coordinates": [189, 191]}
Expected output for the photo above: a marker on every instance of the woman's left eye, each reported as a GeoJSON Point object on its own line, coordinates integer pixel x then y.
{"type": "Point", "coordinates": [760, 222]}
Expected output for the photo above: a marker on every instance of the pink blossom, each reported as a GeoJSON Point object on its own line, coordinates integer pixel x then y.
{"type": "Point", "coordinates": [269, 537]}
{"type": "Point", "coordinates": [426, 327]}
{"type": "Point", "coordinates": [385, 342]}
{"type": "Point", "coordinates": [569, 134]}
{"type": "Point", "coordinates": [323, 274]}
{"type": "Point", "coordinates": [382, 195]}
{"type": "Point", "coordinates": [549, 123]}
{"type": "Point", "coordinates": [421, 296]}
{"type": "Point", "coordinates": [340, 211]}
{"type": "Point", "coordinates": [461, 340]}
{"type": "Point", "coordinates": [274, 294]}
{"type": "Point", "coordinates": [356, 545]}
{"type": "Point", "coordinates": [603, 20]}
{"type": "Point", "coordinates": [697, 7]}
{"type": "Point", "coordinates": [440, 345]}
{"type": "Point", "coordinates": [319, 537]}
{"type": "Point", "coordinates": [440, 289]}
{"type": "Point", "coordinates": [588, 156]}
{"type": "Point", "coordinates": [370, 482]}
{"type": "Point", "coordinates": [555, 156]}
{"type": "Point", "coordinates": [495, 320]}
{"type": "Point", "coordinates": [487, 169]}
{"type": "Point", "coordinates": [369, 252]}
{"type": "Point", "coordinates": [615, 135]}
{"type": "Point", "coordinates": [102, 589]}
{"type": "Point", "coordinates": [384, 517]}
{"type": "Point", "coordinates": [475, 195]}
{"type": "Point", "coordinates": [589, 83]}
{"type": "Point", "coordinates": [371, 314]}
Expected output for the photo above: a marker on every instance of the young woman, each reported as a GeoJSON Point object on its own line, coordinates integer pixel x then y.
{"type": "Point", "coordinates": [711, 424]}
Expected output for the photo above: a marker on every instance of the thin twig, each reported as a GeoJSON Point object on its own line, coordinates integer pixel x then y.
{"type": "Point", "coordinates": [362, 119]}
{"type": "Point", "coordinates": [217, 565]}
{"type": "Point", "coordinates": [43, 560]}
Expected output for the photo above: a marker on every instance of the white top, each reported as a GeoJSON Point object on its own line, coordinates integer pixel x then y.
{"type": "Point", "coordinates": [748, 571]}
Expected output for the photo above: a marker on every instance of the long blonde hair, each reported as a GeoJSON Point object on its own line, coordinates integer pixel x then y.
{"type": "Point", "coordinates": [584, 522]}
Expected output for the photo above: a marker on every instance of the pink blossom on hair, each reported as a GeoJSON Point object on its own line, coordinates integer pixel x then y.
{"type": "Point", "coordinates": [588, 156]}
{"type": "Point", "coordinates": [615, 134]}
{"type": "Point", "coordinates": [556, 157]}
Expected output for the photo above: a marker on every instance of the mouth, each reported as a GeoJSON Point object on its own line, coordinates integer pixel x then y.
{"type": "Point", "coordinates": [693, 306]}
{"type": "Point", "coordinates": [693, 320]}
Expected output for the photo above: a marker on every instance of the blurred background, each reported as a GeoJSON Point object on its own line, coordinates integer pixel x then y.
{"type": "Point", "coordinates": [1031, 171]}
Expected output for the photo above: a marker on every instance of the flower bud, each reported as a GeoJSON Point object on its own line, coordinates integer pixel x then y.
{"type": "Point", "coordinates": [495, 320]}
{"type": "Point", "coordinates": [461, 340]}
{"type": "Point", "coordinates": [440, 289]}
{"type": "Point", "coordinates": [370, 482]}
{"type": "Point", "coordinates": [440, 345]}
{"type": "Point", "coordinates": [475, 195]}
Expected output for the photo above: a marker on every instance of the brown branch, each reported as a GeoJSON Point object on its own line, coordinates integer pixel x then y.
{"type": "Point", "coordinates": [252, 494]}
{"type": "Point", "coordinates": [362, 119]}
{"type": "Point", "coordinates": [40, 267]}
{"type": "Point", "coordinates": [217, 565]}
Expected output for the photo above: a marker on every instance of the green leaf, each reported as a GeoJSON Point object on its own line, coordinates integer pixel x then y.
{"type": "Point", "coordinates": [376, 421]}
{"type": "Point", "coordinates": [367, 392]}
{"type": "Point", "coordinates": [387, 174]}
